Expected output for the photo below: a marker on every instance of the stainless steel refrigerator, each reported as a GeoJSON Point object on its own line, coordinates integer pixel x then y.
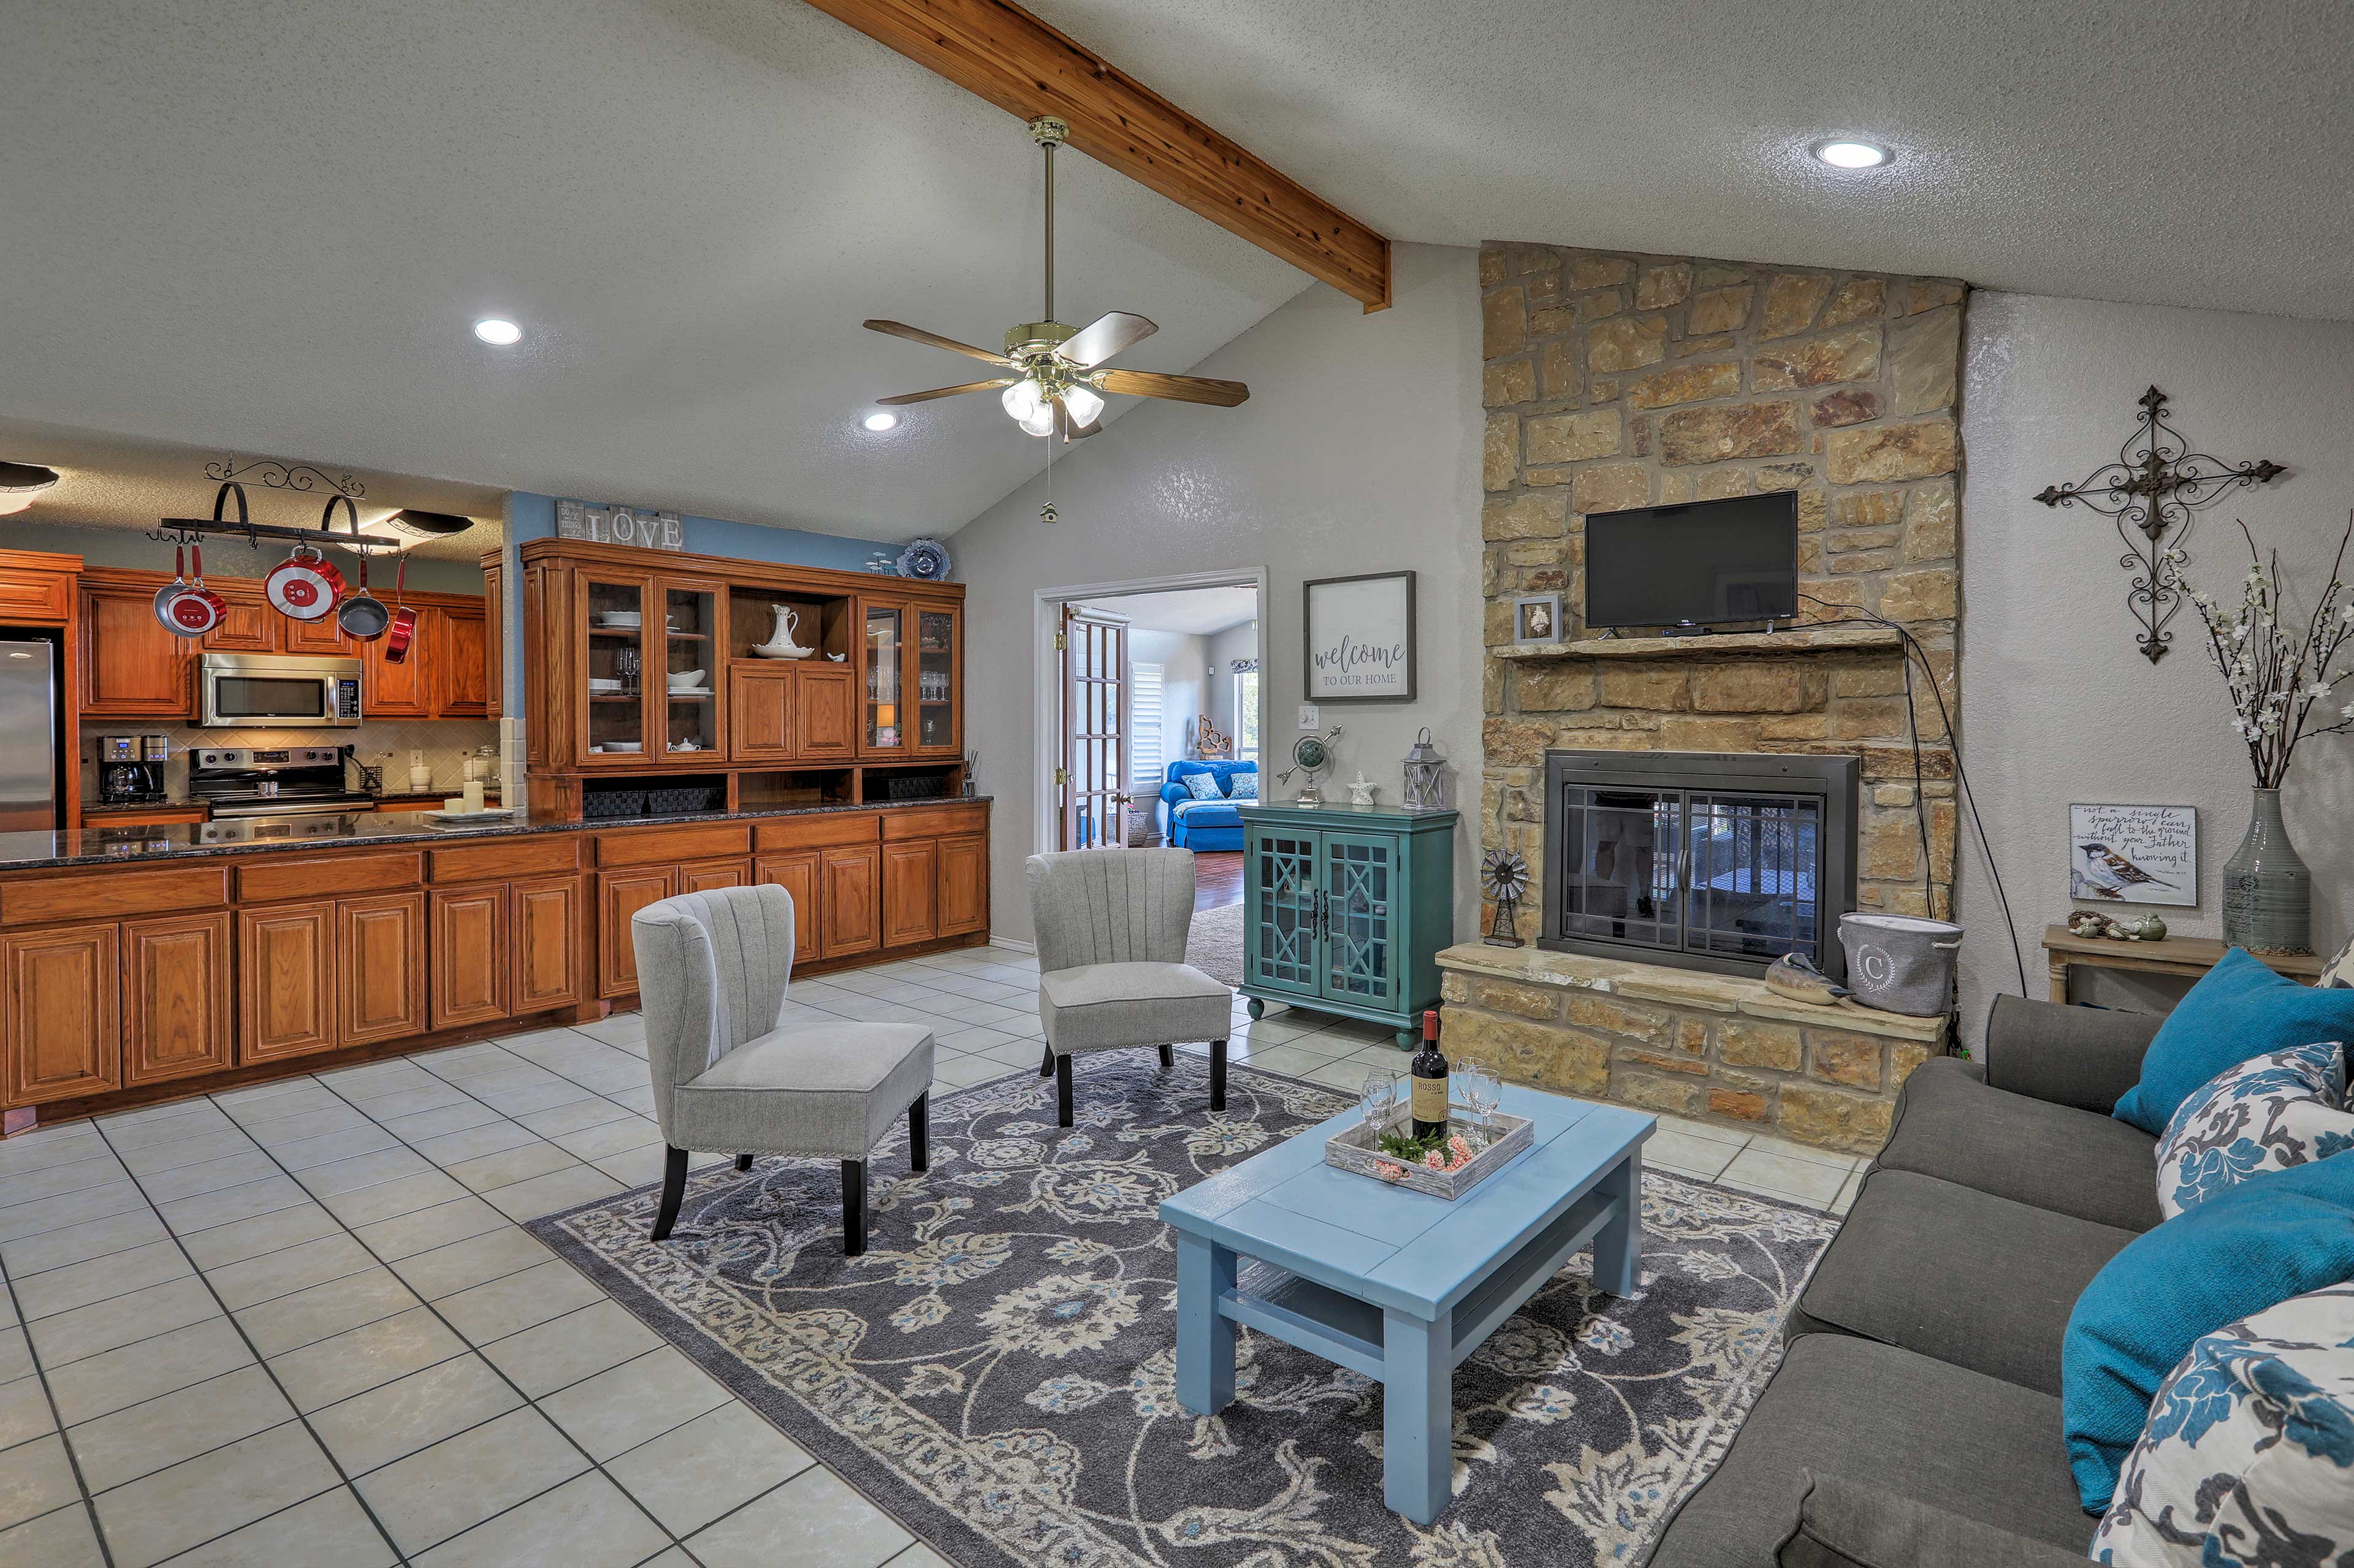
{"type": "Point", "coordinates": [31, 735]}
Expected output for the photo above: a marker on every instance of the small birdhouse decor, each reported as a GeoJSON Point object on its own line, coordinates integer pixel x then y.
{"type": "Point", "coordinates": [1426, 774]}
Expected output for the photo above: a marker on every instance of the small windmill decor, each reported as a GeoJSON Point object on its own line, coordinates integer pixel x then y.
{"type": "Point", "coordinates": [2155, 486]}
{"type": "Point", "coordinates": [1504, 879]}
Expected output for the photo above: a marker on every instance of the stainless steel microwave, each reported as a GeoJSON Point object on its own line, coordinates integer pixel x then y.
{"type": "Point", "coordinates": [277, 691]}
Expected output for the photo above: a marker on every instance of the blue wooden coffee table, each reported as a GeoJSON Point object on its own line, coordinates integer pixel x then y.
{"type": "Point", "coordinates": [1396, 1284]}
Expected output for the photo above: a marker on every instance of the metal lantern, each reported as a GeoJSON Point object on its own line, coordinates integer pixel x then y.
{"type": "Point", "coordinates": [1426, 774]}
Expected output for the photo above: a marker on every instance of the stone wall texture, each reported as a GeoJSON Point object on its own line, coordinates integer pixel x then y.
{"type": "Point", "coordinates": [1615, 381]}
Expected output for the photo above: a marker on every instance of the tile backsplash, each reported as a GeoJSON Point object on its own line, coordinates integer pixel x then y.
{"type": "Point", "coordinates": [445, 743]}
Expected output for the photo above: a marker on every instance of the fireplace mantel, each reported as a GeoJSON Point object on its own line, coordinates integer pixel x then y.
{"type": "Point", "coordinates": [1715, 645]}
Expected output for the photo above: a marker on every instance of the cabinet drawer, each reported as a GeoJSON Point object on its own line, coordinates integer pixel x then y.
{"type": "Point", "coordinates": [667, 846]}
{"type": "Point", "coordinates": [276, 878]}
{"type": "Point", "coordinates": [934, 822]}
{"type": "Point", "coordinates": [551, 855]}
{"type": "Point", "coordinates": [35, 596]}
{"type": "Point", "coordinates": [79, 896]}
{"type": "Point", "coordinates": [817, 831]}
{"type": "Point", "coordinates": [60, 1019]}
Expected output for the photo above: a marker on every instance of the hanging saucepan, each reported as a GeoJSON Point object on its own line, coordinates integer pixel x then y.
{"type": "Point", "coordinates": [402, 630]}
{"type": "Point", "coordinates": [179, 582]}
{"type": "Point", "coordinates": [196, 609]}
{"type": "Point", "coordinates": [361, 615]}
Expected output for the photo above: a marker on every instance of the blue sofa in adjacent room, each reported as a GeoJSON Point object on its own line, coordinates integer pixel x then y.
{"type": "Point", "coordinates": [1202, 825]}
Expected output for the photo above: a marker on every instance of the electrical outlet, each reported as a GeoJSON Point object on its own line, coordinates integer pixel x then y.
{"type": "Point", "coordinates": [1309, 717]}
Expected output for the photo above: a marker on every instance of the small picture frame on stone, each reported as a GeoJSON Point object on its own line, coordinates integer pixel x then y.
{"type": "Point", "coordinates": [1536, 618]}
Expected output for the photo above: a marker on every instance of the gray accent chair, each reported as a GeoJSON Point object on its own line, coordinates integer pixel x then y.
{"type": "Point", "coordinates": [1914, 1421]}
{"type": "Point", "coordinates": [1112, 973]}
{"type": "Point", "coordinates": [712, 969]}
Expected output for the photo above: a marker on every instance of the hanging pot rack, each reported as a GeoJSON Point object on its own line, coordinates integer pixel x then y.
{"type": "Point", "coordinates": [191, 530]}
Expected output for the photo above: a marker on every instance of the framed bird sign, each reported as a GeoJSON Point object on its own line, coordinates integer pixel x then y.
{"type": "Point", "coordinates": [2133, 854]}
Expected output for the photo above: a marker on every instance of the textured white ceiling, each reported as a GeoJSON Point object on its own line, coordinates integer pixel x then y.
{"type": "Point", "coordinates": [267, 225]}
{"type": "Point", "coordinates": [2172, 152]}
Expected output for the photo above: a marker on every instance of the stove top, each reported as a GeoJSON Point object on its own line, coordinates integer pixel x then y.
{"type": "Point", "coordinates": [299, 780]}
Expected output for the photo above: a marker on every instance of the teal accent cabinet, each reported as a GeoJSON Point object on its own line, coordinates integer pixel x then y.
{"type": "Point", "coordinates": [1345, 909]}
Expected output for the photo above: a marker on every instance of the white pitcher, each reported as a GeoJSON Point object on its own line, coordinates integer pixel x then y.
{"type": "Point", "coordinates": [780, 643]}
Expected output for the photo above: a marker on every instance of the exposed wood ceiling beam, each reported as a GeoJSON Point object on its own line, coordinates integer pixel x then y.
{"type": "Point", "coordinates": [1003, 53]}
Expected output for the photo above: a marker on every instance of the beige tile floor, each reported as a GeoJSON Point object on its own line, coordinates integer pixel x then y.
{"type": "Point", "coordinates": [299, 1323]}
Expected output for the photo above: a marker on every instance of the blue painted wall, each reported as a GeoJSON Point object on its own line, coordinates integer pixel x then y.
{"type": "Point", "coordinates": [530, 516]}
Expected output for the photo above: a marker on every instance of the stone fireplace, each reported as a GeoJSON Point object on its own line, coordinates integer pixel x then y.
{"type": "Point", "coordinates": [1614, 380]}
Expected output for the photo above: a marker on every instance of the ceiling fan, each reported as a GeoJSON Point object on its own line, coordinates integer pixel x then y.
{"type": "Point", "coordinates": [1056, 374]}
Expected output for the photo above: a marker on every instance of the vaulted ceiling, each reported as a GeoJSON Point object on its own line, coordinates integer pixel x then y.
{"type": "Point", "coordinates": [264, 225]}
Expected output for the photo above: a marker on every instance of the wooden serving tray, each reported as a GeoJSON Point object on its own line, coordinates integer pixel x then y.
{"type": "Point", "coordinates": [1357, 1149]}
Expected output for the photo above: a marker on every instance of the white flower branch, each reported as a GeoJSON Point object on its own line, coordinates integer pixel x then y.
{"type": "Point", "coordinates": [2280, 681]}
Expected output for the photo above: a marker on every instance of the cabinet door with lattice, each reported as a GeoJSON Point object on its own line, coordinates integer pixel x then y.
{"type": "Point", "coordinates": [1360, 936]}
{"type": "Point", "coordinates": [1279, 935]}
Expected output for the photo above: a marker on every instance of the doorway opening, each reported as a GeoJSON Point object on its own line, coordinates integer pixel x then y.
{"type": "Point", "coordinates": [1157, 720]}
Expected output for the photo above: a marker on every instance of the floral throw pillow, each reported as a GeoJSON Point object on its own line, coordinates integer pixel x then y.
{"type": "Point", "coordinates": [2249, 1454]}
{"type": "Point", "coordinates": [2338, 973]}
{"type": "Point", "coordinates": [1203, 786]}
{"type": "Point", "coordinates": [2266, 1114]}
{"type": "Point", "coordinates": [1243, 787]}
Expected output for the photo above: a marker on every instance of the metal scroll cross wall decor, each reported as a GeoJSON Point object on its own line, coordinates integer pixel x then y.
{"type": "Point", "coordinates": [2153, 488]}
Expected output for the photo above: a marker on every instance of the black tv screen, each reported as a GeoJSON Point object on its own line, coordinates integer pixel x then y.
{"type": "Point", "coordinates": [1710, 563]}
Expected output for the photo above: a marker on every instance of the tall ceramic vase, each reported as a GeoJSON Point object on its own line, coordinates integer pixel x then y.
{"type": "Point", "coordinates": [2267, 890]}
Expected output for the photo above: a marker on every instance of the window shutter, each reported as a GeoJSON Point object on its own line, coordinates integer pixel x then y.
{"type": "Point", "coordinates": [1145, 726]}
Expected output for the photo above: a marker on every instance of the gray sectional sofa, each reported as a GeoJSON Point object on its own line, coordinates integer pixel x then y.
{"type": "Point", "coordinates": [1914, 1421]}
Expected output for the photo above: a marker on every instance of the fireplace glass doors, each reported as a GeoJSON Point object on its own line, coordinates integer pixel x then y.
{"type": "Point", "coordinates": [1697, 859]}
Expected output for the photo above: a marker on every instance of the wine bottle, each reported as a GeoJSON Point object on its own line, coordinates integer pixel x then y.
{"type": "Point", "coordinates": [1429, 1088]}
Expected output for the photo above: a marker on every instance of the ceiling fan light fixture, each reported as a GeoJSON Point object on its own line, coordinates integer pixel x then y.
{"type": "Point", "coordinates": [1082, 404]}
{"type": "Point", "coordinates": [1041, 421]}
{"type": "Point", "coordinates": [1022, 400]}
{"type": "Point", "coordinates": [22, 483]}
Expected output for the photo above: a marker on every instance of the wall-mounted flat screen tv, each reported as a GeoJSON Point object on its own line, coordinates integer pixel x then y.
{"type": "Point", "coordinates": [1707, 563]}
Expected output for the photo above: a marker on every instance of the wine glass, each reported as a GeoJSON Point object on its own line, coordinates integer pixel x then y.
{"type": "Point", "coordinates": [1482, 1088]}
{"type": "Point", "coordinates": [1379, 1097]}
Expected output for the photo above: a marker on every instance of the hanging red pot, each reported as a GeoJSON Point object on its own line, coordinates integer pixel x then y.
{"type": "Point", "coordinates": [196, 609]}
{"type": "Point", "coordinates": [304, 586]}
{"type": "Point", "coordinates": [402, 630]}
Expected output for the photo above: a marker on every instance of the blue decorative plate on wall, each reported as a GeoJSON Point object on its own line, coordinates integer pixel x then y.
{"type": "Point", "coordinates": [926, 558]}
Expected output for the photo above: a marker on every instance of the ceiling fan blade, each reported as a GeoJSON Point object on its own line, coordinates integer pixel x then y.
{"type": "Point", "coordinates": [917, 335]}
{"type": "Point", "coordinates": [1103, 337]}
{"type": "Point", "coordinates": [1183, 388]}
{"type": "Point", "coordinates": [946, 391]}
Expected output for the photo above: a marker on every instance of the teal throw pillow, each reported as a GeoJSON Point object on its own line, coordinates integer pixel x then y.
{"type": "Point", "coordinates": [2281, 1234]}
{"type": "Point", "coordinates": [2239, 1010]}
{"type": "Point", "coordinates": [1243, 787]}
{"type": "Point", "coordinates": [1203, 786]}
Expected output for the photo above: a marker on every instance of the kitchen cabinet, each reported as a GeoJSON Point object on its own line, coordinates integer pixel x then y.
{"type": "Point", "coordinates": [381, 966]}
{"type": "Point", "coordinates": [285, 980]}
{"type": "Point", "coordinates": [177, 989]}
{"type": "Point", "coordinates": [705, 875]}
{"type": "Point", "coordinates": [911, 891]}
{"type": "Point", "coordinates": [402, 690]}
{"type": "Point", "coordinates": [322, 636]}
{"type": "Point", "coordinates": [459, 662]}
{"type": "Point", "coordinates": [825, 714]}
{"type": "Point", "coordinates": [471, 960]}
{"type": "Point", "coordinates": [246, 617]}
{"type": "Point", "coordinates": [791, 713]}
{"type": "Point", "coordinates": [130, 666]}
{"type": "Point", "coordinates": [849, 913]}
{"type": "Point", "coordinates": [964, 885]}
{"type": "Point", "coordinates": [796, 872]}
{"type": "Point", "coordinates": [60, 1025]}
{"type": "Point", "coordinates": [911, 659]}
{"type": "Point", "coordinates": [494, 656]}
{"type": "Point", "coordinates": [549, 945]}
{"type": "Point", "coordinates": [692, 644]}
{"type": "Point", "coordinates": [619, 895]}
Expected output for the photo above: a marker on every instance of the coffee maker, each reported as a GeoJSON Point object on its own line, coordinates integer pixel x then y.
{"type": "Point", "coordinates": [130, 770]}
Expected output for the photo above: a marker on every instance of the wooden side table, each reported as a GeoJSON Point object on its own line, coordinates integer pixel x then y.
{"type": "Point", "coordinates": [2188, 957]}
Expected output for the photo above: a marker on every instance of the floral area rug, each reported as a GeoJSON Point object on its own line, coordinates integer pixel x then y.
{"type": "Point", "coordinates": [998, 1371]}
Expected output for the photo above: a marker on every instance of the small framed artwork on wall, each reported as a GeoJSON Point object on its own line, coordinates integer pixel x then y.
{"type": "Point", "coordinates": [1359, 637]}
{"type": "Point", "coordinates": [2134, 854]}
{"type": "Point", "coordinates": [1536, 618]}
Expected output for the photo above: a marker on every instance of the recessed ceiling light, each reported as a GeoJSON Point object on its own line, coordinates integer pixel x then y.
{"type": "Point", "coordinates": [497, 330]}
{"type": "Point", "coordinates": [1842, 154]}
{"type": "Point", "coordinates": [879, 422]}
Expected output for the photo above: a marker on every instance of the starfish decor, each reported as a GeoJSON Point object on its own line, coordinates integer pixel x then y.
{"type": "Point", "coordinates": [2154, 487]}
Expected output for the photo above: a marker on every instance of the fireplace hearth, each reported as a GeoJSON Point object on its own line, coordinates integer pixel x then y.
{"type": "Point", "coordinates": [1713, 861]}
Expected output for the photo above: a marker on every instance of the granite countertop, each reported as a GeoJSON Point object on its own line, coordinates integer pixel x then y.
{"type": "Point", "coordinates": [250, 835]}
